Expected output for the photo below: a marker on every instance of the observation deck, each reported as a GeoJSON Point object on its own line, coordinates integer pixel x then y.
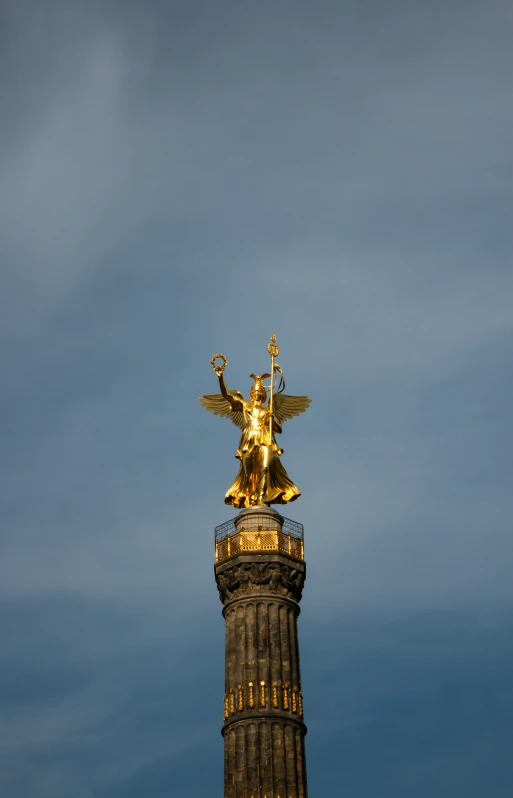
{"type": "Point", "coordinates": [259, 529]}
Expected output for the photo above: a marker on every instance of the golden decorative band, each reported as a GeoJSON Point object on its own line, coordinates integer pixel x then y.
{"type": "Point", "coordinates": [291, 698]}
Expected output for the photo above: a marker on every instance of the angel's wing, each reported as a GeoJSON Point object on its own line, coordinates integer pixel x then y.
{"type": "Point", "coordinates": [216, 403]}
{"type": "Point", "coordinates": [285, 407]}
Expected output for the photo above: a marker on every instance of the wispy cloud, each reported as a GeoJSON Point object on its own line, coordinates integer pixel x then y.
{"type": "Point", "coordinates": [180, 179]}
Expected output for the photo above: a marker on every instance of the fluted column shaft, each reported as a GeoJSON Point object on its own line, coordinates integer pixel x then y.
{"type": "Point", "coordinates": [263, 704]}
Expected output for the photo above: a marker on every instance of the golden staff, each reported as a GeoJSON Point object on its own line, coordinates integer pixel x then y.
{"type": "Point", "coordinates": [273, 350]}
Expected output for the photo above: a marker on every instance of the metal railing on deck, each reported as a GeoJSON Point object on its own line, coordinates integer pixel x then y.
{"type": "Point", "coordinates": [231, 540]}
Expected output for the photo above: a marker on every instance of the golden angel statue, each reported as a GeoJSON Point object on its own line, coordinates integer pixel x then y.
{"type": "Point", "coordinates": [262, 479]}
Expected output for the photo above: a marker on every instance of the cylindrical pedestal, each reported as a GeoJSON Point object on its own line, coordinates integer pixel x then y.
{"type": "Point", "coordinates": [263, 705]}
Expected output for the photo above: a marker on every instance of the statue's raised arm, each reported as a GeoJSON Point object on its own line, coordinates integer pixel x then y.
{"type": "Point", "coordinates": [262, 479]}
{"type": "Point", "coordinates": [227, 403]}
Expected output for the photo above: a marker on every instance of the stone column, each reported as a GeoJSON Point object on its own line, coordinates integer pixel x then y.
{"type": "Point", "coordinates": [260, 586]}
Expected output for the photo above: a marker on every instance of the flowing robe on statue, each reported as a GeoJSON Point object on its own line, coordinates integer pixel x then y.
{"type": "Point", "coordinates": [262, 479]}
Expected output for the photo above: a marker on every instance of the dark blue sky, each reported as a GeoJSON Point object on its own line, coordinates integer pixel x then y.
{"type": "Point", "coordinates": [183, 178]}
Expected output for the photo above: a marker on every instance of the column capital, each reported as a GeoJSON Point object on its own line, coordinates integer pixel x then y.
{"type": "Point", "coordinates": [254, 575]}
